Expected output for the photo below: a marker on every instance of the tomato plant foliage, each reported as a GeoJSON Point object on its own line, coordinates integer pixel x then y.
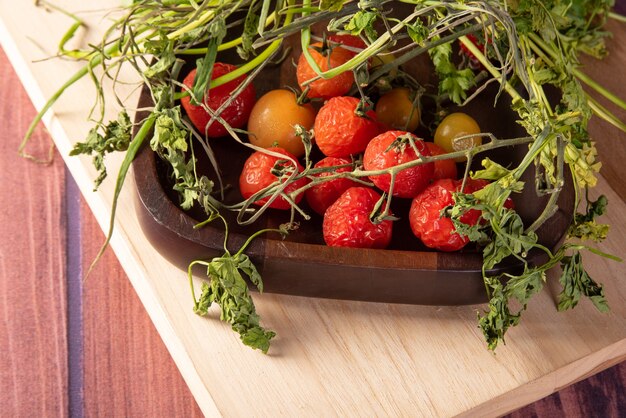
{"type": "Point", "coordinates": [523, 46]}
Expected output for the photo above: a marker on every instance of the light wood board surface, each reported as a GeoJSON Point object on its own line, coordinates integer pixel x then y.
{"type": "Point", "coordinates": [331, 357]}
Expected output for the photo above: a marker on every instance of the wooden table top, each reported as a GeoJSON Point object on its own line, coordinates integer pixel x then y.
{"type": "Point", "coordinates": [75, 347]}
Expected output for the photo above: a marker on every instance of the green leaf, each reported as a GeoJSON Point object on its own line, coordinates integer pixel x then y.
{"type": "Point", "coordinates": [495, 322]}
{"type": "Point", "coordinates": [452, 81]}
{"type": "Point", "coordinates": [363, 21]}
{"type": "Point", "coordinates": [229, 290]}
{"type": "Point", "coordinates": [493, 171]}
{"type": "Point", "coordinates": [246, 265]}
{"type": "Point", "coordinates": [332, 5]}
{"type": "Point", "coordinates": [251, 24]}
{"type": "Point", "coordinates": [217, 31]}
{"type": "Point", "coordinates": [166, 58]}
{"type": "Point", "coordinates": [417, 32]}
{"type": "Point", "coordinates": [116, 136]}
{"type": "Point", "coordinates": [576, 282]}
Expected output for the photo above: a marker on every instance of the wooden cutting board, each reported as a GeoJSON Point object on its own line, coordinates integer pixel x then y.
{"type": "Point", "coordinates": [332, 357]}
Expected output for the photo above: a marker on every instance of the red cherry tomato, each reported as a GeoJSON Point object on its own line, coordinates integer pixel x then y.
{"type": "Point", "coordinates": [347, 40]}
{"type": "Point", "coordinates": [444, 169]}
{"type": "Point", "coordinates": [393, 148]}
{"type": "Point", "coordinates": [425, 219]}
{"type": "Point", "coordinates": [256, 175]}
{"type": "Point", "coordinates": [235, 114]}
{"type": "Point", "coordinates": [325, 88]}
{"type": "Point", "coordinates": [339, 131]}
{"type": "Point", "coordinates": [347, 221]}
{"type": "Point", "coordinates": [427, 224]}
{"type": "Point", "coordinates": [322, 195]}
{"type": "Point", "coordinates": [273, 119]}
{"type": "Point", "coordinates": [473, 61]}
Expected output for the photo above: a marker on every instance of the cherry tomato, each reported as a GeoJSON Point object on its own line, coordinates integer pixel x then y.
{"type": "Point", "coordinates": [381, 59]}
{"type": "Point", "coordinates": [325, 88]}
{"type": "Point", "coordinates": [273, 118]}
{"type": "Point", "coordinates": [347, 40]}
{"type": "Point", "coordinates": [339, 131]}
{"type": "Point", "coordinates": [396, 110]}
{"type": "Point", "coordinates": [456, 125]}
{"type": "Point", "coordinates": [393, 148]}
{"type": "Point", "coordinates": [322, 195]}
{"type": "Point", "coordinates": [347, 221]}
{"type": "Point", "coordinates": [235, 114]}
{"type": "Point", "coordinates": [473, 61]}
{"type": "Point", "coordinates": [444, 169]}
{"type": "Point", "coordinates": [256, 175]}
{"type": "Point", "coordinates": [427, 224]}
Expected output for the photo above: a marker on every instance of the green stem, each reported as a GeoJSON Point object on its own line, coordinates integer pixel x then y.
{"type": "Point", "coordinates": [132, 151]}
{"type": "Point", "coordinates": [579, 74]}
{"type": "Point", "coordinates": [600, 89]}
{"type": "Point", "coordinates": [617, 16]}
{"type": "Point", "coordinates": [492, 70]}
{"type": "Point", "coordinates": [190, 275]}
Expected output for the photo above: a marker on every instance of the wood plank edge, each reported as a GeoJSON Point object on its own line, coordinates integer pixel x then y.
{"type": "Point", "coordinates": [119, 242]}
{"type": "Point", "coordinates": [550, 383]}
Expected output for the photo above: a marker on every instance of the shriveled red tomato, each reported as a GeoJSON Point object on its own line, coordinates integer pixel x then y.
{"type": "Point", "coordinates": [235, 114]}
{"type": "Point", "coordinates": [396, 110]}
{"type": "Point", "coordinates": [325, 88]}
{"type": "Point", "coordinates": [427, 224]}
{"type": "Point", "coordinates": [393, 148]}
{"type": "Point", "coordinates": [444, 169]}
{"type": "Point", "coordinates": [273, 119]}
{"type": "Point", "coordinates": [339, 131]}
{"type": "Point", "coordinates": [256, 175]}
{"type": "Point", "coordinates": [347, 221]}
{"type": "Point", "coordinates": [322, 195]}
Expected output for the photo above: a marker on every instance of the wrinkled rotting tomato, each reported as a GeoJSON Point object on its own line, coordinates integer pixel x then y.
{"type": "Point", "coordinates": [257, 174]}
{"type": "Point", "coordinates": [322, 195]}
{"type": "Point", "coordinates": [347, 221]}
{"type": "Point", "coordinates": [427, 223]}
{"type": "Point", "coordinates": [393, 148]}
{"type": "Point", "coordinates": [235, 114]}
{"type": "Point", "coordinates": [339, 131]}
{"type": "Point", "coordinates": [444, 169]}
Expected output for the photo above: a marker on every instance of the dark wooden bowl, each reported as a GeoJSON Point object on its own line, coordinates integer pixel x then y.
{"type": "Point", "coordinates": [302, 265]}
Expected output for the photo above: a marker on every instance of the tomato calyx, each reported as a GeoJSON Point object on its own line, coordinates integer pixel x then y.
{"type": "Point", "coordinates": [402, 141]}
{"type": "Point", "coordinates": [283, 168]}
{"type": "Point", "coordinates": [364, 108]}
{"type": "Point", "coordinates": [380, 213]}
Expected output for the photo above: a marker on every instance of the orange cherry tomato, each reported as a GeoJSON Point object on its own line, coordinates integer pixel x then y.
{"type": "Point", "coordinates": [396, 110]}
{"type": "Point", "coordinates": [456, 125]}
{"type": "Point", "coordinates": [325, 88]}
{"type": "Point", "coordinates": [273, 118]}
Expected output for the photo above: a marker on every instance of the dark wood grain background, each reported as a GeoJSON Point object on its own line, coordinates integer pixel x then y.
{"type": "Point", "coordinates": [74, 348]}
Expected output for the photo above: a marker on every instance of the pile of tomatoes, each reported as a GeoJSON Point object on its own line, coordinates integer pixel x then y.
{"type": "Point", "coordinates": [353, 138]}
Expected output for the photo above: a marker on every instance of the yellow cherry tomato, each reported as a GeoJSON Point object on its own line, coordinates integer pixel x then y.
{"type": "Point", "coordinates": [381, 59]}
{"type": "Point", "coordinates": [273, 118]}
{"type": "Point", "coordinates": [456, 125]}
{"type": "Point", "coordinates": [396, 110]}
